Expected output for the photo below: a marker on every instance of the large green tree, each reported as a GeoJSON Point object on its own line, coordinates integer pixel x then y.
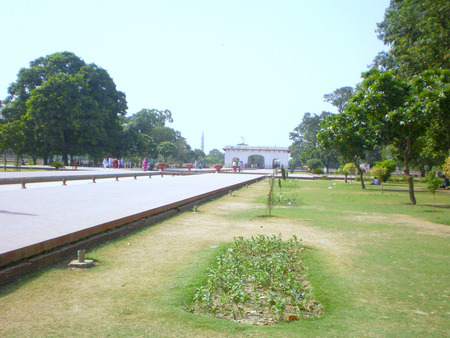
{"type": "Point", "coordinates": [305, 143]}
{"type": "Point", "coordinates": [12, 138]}
{"type": "Point", "coordinates": [339, 97]}
{"type": "Point", "coordinates": [418, 32]}
{"type": "Point", "coordinates": [146, 120]}
{"type": "Point", "coordinates": [405, 114]}
{"type": "Point", "coordinates": [70, 107]}
{"type": "Point", "coordinates": [348, 134]}
{"type": "Point", "coordinates": [167, 149]}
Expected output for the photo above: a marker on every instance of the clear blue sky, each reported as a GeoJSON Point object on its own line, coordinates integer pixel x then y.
{"type": "Point", "coordinates": [228, 68]}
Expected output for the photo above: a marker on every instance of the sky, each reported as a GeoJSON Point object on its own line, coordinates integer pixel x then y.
{"type": "Point", "coordinates": [233, 70]}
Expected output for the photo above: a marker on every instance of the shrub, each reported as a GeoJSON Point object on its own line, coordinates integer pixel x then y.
{"type": "Point", "coordinates": [285, 198]}
{"type": "Point", "coordinates": [380, 172]}
{"type": "Point", "coordinates": [314, 163]}
{"type": "Point", "coordinates": [317, 171]}
{"type": "Point", "coordinates": [57, 165]}
{"type": "Point", "coordinates": [389, 165]}
{"type": "Point", "coordinates": [348, 168]}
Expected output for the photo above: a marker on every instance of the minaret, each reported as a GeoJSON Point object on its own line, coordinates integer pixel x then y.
{"type": "Point", "coordinates": [202, 147]}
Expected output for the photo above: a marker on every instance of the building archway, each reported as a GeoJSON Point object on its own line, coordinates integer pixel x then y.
{"type": "Point", "coordinates": [266, 159]}
{"type": "Point", "coordinates": [276, 163]}
{"type": "Point", "coordinates": [256, 161]}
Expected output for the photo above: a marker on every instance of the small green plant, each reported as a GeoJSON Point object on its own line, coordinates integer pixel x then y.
{"type": "Point", "coordinates": [290, 184]}
{"type": "Point", "coordinates": [397, 179]}
{"type": "Point", "coordinates": [285, 198]}
{"type": "Point", "coordinates": [433, 182]}
{"type": "Point", "coordinates": [270, 196]}
{"type": "Point", "coordinates": [57, 165]}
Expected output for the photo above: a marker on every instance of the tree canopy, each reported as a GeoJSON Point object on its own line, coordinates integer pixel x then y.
{"type": "Point", "coordinates": [418, 33]}
{"type": "Point", "coordinates": [69, 107]}
{"type": "Point", "coordinates": [404, 113]}
{"type": "Point", "coordinates": [339, 97]}
{"type": "Point", "coordinates": [305, 143]}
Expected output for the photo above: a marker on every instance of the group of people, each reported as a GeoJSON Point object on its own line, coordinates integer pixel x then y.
{"type": "Point", "coordinates": [113, 163]}
{"type": "Point", "coordinates": [147, 165]}
{"type": "Point", "coordinates": [240, 164]}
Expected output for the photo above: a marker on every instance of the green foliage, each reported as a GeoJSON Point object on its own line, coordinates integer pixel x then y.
{"type": "Point", "coordinates": [314, 163]}
{"type": "Point", "coordinates": [12, 138]}
{"type": "Point", "coordinates": [406, 114]}
{"type": "Point", "coordinates": [146, 120]}
{"type": "Point", "coordinates": [339, 97]}
{"type": "Point", "coordinates": [418, 34]}
{"type": "Point", "coordinates": [290, 184]}
{"type": "Point", "coordinates": [397, 179]}
{"type": "Point", "coordinates": [446, 168]}
{"type": "Point", "coordinates": [167, 149]}
{"type": "Point", "coordinates": [69, 107]}
{"type": "Point", "coordinates": [262, 274]}
{"type": "Point", "coordinates": [285, 198]}
{"type": "Point", "coordinates": [433, 183]}
{"type": "Point", "coordinates": [57, 165]}
{"type": "Point", "coordinates": [349, 168]}
{"type": "Point", "coordinates": [317, 171]}
{"type": "Point", "coordinates": [305, 141]}
{"type": "Point", "coordinates": [384, 169]}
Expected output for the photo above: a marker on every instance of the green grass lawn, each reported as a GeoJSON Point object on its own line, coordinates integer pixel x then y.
{"type": "Point", "coordinates": [378, 265]}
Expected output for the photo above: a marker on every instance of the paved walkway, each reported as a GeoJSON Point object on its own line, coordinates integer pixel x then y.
{"type": "Point", "coordinates": [46, 215]}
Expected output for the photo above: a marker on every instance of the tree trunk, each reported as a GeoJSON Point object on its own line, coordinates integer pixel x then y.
{"type": "Point", "coordinates": [409, 179]}
{"type": "Point", "coordinates": [360, 172]}
{"type": "Point", "coordinates": [65, 158]}
{"type": "Point", "coordinates": [345, 178]}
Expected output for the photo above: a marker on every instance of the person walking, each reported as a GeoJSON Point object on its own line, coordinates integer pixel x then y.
{"type": "Point", "coordinates": [144, 164]}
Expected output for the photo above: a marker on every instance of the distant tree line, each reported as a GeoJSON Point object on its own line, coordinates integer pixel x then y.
{"type": "Point", "coordinates": [61, 106]}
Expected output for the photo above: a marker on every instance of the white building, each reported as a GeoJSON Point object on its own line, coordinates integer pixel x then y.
{"type": "Point", "coordinates": [257, 157]}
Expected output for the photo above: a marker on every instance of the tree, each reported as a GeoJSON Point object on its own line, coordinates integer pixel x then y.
{"type": "Point", "coordinates": [69, 107]}
{"type": "Point", "coordinates": [402, 113]}
{"type": "Point", "coordinates": [339, 97]}
{"type": "Point", "coordinates": [348, 168]}
{"type": "Point", "coordinates": [166, 149]}
{"type": "Point", "coordinates": [11, 138]}
{"type": "Point", "coordinates": [214, 157]}
{"type": "Point", "coordinates": [136, 145]}
{"type": "Point", "coordinates": [418, 32]}
{"type": "Point", "coordinates": [305, 143]}
{"type": "Point", "coordinates": [349, 135]}
{"type": "Point", "coordinates": [146, 120]}
{"type": "Point", "coordinates": [389, 165]}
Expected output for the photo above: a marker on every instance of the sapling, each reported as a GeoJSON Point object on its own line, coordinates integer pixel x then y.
{"type": "Point", "coordinates": [433, 182]}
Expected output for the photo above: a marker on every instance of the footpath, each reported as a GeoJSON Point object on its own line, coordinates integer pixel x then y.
{"type": "Point", "coordinates": [45, 216]}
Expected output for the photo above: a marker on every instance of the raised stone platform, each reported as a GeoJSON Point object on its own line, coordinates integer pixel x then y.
{"type": "Point", "coordinates": [47, 216]}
